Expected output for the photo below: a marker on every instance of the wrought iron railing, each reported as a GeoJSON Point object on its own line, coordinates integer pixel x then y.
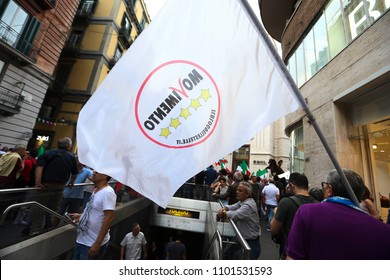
{"type": "Point", "coordinates": [11, 99]}
{"type": "Point", "coordinates": [13, 38]}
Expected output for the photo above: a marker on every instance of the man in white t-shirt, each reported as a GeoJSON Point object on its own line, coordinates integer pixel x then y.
{"type": "Point", "coordinates": [94, 223]}
{"type": "Point", "coordinates": [269, 200]}
{"type": "Point", "coordinates": [132, 244]}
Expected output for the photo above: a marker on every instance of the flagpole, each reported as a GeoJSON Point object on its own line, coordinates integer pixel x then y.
{"type": "Point", "coordinates": [286, 74]}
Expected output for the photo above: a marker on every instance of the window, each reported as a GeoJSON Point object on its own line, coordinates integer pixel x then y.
{"type": "Point", "coordinates": [301, 75]}
{"type": "Point", "coordinates": [310, 55]}
{"type": "Point", "coordinates": [118, 53]}
{"type": "Point", "coordinates": [341, 22]}
{"type": "Point", "coordinates": [15, 18]}
{"type": "Point", "coordinates": [240, 155]}
{"type": "Point", "coordinates": [126, 25]}
{"type": "Point", "coordinates": [142, 23]}
{"type": "Point", "coordinates": [2, 63]}
{"type": "Point", "coordinates": [321, 43]}
{"type": "Point", "coordinates": [335, 27]}
{"type": "Point", "coordinates": [87, 6]}
{"type": "Point", "coordinates": [75, 38]}
{"type": "Point", "coordinates": [17, 27]}
{"type": "Point", "coordinates": [293, 67]}
{"type": "Point", "coordinates": [297, 150]}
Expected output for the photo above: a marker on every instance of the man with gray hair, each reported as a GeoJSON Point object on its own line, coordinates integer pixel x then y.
{"type": "Point", "coordinates": [337, 229]}
{"type": "Point", "coordinates": [244, 213]}
{"type": "Point", "coordinates": [53, 170]}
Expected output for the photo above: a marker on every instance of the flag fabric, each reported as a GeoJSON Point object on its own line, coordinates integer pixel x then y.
{"type": "Point", "coordinates": [245, 168]}
{"type": "Point", "coordinates": [222, 164]}
{"type": "Point", "coordinates": [181, 92]}
{"type": "Point", "coordinates": [285, 175]}
{"type": "Point", "coordinates": [41, 150]}
{"type": "Point", "coordinates": [260, 173]}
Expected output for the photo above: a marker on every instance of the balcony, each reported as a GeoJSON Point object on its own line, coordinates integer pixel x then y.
{"type": "Point", "coordinates": [10, 102]}
{"type": "Point", "coordinates": [83, 17]}
{"type": "Point", "coordinates": [12, 38]}
{"type": "Point", "coordinates": [71, 50]}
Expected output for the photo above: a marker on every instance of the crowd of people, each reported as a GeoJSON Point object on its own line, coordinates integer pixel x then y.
{"type": "Point", "coordinates": [306, 222]}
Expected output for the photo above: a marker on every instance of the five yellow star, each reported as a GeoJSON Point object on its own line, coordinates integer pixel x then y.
{"type": "Point", "coordinates": [205, 94]}
{"type": "Point", "coordinates": [195, 103]}
{"type": "Point", "coordinates": [165, 132]}
{"type": "Point", "coordinates": [185, 113]}
{"type": "Point", "coordinates": [175, 123]}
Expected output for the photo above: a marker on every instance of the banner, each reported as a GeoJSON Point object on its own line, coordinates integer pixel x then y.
{"type": "Point", "coordinates": [196, 85]}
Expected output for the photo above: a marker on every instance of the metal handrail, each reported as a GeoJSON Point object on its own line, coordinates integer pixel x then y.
{"type": "Point", "coordinates": [34, 203]}
{"type": "Point", "coordinates": [16, 190]}
{"type": "Point", "coordinates": [240, 239]}
{"type": "Point", "coordinates": [217, 235]}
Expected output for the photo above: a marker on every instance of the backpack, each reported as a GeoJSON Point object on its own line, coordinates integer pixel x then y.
{"type": "Point", "coordinates": [282, 234]}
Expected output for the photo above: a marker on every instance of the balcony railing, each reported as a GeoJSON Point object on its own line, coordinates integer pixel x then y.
{"type": "Point", "coordinates": [10, 102]}
{"type": "Point", "coordinates": [13, 38]}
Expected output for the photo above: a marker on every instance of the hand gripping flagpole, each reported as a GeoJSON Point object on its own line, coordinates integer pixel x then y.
{"type": "Point", "coordinates": [286, 75]}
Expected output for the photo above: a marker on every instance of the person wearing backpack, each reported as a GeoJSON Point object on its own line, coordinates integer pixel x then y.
{"type": "Point", "coordinates": [288, 206]}
{"type": "Point", "coordinates": [52, 174]}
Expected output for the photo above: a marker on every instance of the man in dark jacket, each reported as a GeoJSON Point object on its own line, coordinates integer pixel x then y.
{"type": "Point", "coordinates": [53, 170]}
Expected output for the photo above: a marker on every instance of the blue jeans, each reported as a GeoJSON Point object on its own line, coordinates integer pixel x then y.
{"type": "Point", "coordinates": [81, 252]}
{"type": "Point", "coordinates": [270, 213]}
{"type": "Point", "coordinates": [255, 248]}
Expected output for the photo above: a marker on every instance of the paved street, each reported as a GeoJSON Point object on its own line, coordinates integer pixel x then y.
{"type": "Point", "coordinates": [269, 249]}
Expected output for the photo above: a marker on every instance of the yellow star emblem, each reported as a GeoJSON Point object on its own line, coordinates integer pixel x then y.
{"type": "Point", "coordinates": [205, 94]}
{"type": "Point", "coordinates": [185, 113]}
{"type": "Point", "coordinates": [195, 103]}
{"type": "Point", "coordinates": [175, 123]}
{"type": "Point", "coordinates": [165, 132]}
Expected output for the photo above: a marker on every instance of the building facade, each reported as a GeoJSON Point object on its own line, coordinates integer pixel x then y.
{"type": "Point", "coordinates": [32, 35]}
{"type": "Point", "coordinates": [338, 53]}
{"type": "Point", "coordinates": [101, 33]}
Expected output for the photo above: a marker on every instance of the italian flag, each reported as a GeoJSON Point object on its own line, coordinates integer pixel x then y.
{"type": "Point", "coordinates": [222, 164]}
{"type": "Point", "coordinates": [245, 169]}
{"type": "Point", "coordinates": [260, 173]}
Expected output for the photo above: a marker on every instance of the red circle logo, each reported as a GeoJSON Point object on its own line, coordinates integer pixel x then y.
{"type": "Point", "coordinates": [178, 105]}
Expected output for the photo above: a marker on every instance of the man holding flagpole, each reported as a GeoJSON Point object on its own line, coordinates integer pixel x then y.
{"type": "Point", "coordinates": [181, 101]}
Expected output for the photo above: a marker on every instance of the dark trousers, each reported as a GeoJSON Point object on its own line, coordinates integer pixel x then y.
{"type": "Point", "coordinates": [51, 198]}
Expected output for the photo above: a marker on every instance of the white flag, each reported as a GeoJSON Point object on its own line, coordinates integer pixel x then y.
{"type": "Point", "coordinates": [196, 85]}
